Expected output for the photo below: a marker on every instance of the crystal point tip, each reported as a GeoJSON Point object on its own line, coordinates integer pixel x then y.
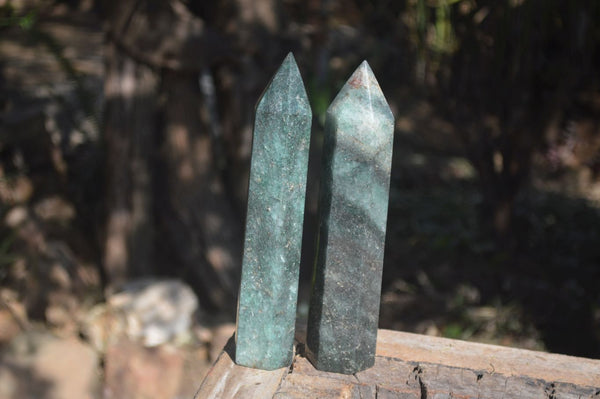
{"type": "Point", "coordinates": [285, 93]}
{"type": "Point", "coordinates": [362, 86]}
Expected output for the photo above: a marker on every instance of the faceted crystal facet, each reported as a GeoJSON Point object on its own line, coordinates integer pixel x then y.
{"type": "Point", "coordinates": [269, 286]}
{"type": "Point", "coordinates": [355, 178]}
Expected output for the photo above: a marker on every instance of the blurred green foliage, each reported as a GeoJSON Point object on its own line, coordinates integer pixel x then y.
{"type": "Point", "coordinates": [9, 17]}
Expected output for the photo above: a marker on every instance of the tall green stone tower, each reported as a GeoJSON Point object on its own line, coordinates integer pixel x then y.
{"type": "Point", "coordinates": [269, 286]}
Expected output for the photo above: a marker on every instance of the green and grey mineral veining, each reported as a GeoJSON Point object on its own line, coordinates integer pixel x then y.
{"type": "Point", "coordinates": [269, 285]}
{"type": "Point", "coordinates": [357, 156]}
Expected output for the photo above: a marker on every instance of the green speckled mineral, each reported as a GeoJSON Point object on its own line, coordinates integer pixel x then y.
{"type": "Point", "coordinates": [269, 286]}
{"type": "Point", "coordinates": [355, 179]}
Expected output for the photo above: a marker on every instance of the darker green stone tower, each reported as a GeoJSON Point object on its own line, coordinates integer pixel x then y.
{"type": "Point", "coordinates": [355, 179]}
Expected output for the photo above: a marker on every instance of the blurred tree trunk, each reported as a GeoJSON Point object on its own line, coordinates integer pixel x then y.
{"type": "Point", "coordinates": [197, 215]}
{"type": "Point", "coordinates": [167, 206]}
{"type": "Point", "coordinates": [130, 127]}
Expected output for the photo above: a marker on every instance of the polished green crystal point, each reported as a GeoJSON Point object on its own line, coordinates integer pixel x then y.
{"type": "Point", "coordinates": [354, 192]}
{"type": "Point", "coordinates": [269, 285]}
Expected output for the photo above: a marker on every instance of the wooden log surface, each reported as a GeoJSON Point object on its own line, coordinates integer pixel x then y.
{"type": "Point", "coordinates": [416, 367]}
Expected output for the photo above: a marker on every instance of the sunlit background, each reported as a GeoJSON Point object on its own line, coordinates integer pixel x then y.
{"type": "Point", "coordinates": [125, 133]}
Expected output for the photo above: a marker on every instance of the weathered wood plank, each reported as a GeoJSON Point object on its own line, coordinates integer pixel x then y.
{"type": "Point", "coordinates": [490, 359]}
{"type": "Point", "coordinates": [411, 366]}
{"type": "Point", "coordinates": [227, 380]}
{"type": "Point", "coordinates": [303, 386]}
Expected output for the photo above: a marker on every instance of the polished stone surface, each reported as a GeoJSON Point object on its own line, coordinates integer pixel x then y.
{"type": "Point", "coordinates": [355, 178]}
{"type": "Point", "coordinates": [269, 287]}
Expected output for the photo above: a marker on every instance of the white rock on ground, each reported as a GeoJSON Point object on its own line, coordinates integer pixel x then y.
{"type": "Point", "coordinates": [157, 311]}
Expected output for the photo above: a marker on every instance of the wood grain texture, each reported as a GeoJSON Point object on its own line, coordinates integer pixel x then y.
{"type": "Point", "coordinates": [227, 380]}
{"type": "Point", "coordinates": [411, 366]}
{"type": "Point", "coordinates": [489, 358]}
